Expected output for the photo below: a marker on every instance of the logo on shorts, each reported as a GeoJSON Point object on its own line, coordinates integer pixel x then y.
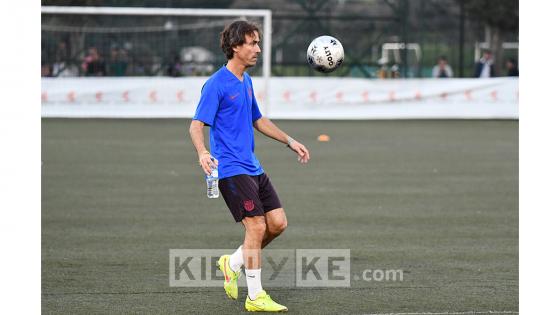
{"type": "Point", "coordinates": [249, 205]}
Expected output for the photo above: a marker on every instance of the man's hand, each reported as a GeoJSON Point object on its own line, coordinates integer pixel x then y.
{"type": "Point", "coordinates": [300, 149]}
{"type": "Point", "coordinates": [207, 162]}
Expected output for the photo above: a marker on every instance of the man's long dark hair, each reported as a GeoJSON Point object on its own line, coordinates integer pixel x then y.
{"type": "Point", "coordinates": [234, 35]}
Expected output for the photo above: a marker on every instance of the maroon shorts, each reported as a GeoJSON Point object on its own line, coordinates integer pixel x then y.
{"type": "Point", "coordinates": [248, 196]}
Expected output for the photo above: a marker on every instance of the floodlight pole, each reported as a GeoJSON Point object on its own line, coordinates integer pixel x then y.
{"type": "Point", "coordinates": [404, 21]}
{"type": "Point", "coordinates": [462, 39]}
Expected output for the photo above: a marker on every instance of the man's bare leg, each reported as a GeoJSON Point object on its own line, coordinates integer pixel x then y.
{"type": "Point", "coordinates": [255, 229]}
{"type": "Point", "coordinates": [276, 223]}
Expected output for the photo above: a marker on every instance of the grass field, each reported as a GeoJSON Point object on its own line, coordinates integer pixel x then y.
{"type": "Point", "coordinates": [437, 199]}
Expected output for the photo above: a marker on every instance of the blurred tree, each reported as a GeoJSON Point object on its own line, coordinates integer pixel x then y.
{"type": "Point", "coordinates": [499, 18]}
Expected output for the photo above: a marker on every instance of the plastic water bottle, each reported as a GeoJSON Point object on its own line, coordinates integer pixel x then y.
{"type": "Point", "coordinates": [212, 184]}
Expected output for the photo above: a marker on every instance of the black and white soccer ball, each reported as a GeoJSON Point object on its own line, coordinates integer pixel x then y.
{"type": "Point", "coordinates": [325, 54]}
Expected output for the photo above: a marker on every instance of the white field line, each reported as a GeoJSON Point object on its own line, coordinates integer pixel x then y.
{"type": "Point", "coordinates": [450, 313]}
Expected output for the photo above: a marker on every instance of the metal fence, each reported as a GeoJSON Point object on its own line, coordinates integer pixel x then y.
{"type": "Point", "coordinates": [374, 34]}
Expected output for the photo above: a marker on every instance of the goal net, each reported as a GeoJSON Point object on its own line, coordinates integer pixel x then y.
{"type": "Point", "coordinates": [142, 42]}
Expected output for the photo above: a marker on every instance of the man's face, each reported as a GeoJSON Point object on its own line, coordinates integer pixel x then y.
{"type": "Point", "coordinates": [93, 53]}
{"type": "Point", "coordinates": [249, 51]}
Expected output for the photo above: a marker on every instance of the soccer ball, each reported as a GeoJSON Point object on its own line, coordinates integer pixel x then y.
{"type": "Point", "coordinates": [325, 54]}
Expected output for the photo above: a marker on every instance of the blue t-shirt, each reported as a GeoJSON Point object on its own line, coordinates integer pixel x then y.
{"type": "Point", "coordinates": [229, 107]}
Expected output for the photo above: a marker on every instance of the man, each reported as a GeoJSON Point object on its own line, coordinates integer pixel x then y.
{"type": "Point", "coordinates": [485, 66]}
{"type": "Point", "coordinates": [442, 69]}
{"type": "Point", "coordinates": [229, 107]}
{"type": "Point", "coordinates": [511, 66]}
{"type": "Point", "coordinates": [93, 65]}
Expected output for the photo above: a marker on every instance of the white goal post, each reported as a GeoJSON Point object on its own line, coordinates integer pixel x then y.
{"type": "Point", "coordinates": [265, 14]}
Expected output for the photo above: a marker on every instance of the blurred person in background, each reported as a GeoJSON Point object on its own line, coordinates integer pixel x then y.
{"type": "Point", "coordinates": [383, 71]}
{"type": "Point", "coordinates": [45, 70]}
{"type": "Point", "coordinates": [512, 70]}
{"type": "Point", "coordinates": [395, 71]}
{"type": "Point", "coordinates": [93, 64]}
{"type": "Point", "coordinates": [118, 62]}
{"type": "Point", "coordinates": [485, 66]}
{"type": "Point", "coordinates": [442, 69]}
{"type": "Point", "coordinates": [63, 66]}
{"type": "Point", "coordinates": [174, 69]}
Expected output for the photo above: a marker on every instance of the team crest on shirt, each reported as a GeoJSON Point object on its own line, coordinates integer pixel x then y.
{"type": "Point", "coordinates": [249, 205]}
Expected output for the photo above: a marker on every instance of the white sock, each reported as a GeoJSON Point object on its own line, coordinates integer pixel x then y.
{"type": "Point", "coordinates": [236, 259]}
{"type": "Point", "coordinates": [253, 282]}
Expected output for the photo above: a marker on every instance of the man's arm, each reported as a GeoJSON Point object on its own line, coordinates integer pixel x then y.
{"type": "Point", "coordinates": [196, 131]}
{"type": "Point", "coordinates": [269, 129]}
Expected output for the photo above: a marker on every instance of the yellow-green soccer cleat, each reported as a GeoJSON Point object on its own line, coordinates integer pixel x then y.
{"type": "Point", "coordinates": [263, 303]}
{"type": "Point", "coordinates": [230, 282]}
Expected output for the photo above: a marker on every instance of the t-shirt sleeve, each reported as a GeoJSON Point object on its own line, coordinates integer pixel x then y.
{"type": "Point", "coordinates": [208, 104]}
{"type": "Point", "coordinates": [256, 113]}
